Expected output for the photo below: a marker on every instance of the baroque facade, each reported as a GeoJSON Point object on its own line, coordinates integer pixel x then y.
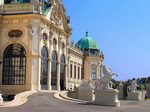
{"type": "Point", "coordinates": [35, 48]}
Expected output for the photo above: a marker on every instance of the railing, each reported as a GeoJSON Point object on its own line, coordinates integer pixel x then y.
{"type": "Point", "coordinates": [76, 49]}
{"type": "Point", "coordinates": [20, 8]}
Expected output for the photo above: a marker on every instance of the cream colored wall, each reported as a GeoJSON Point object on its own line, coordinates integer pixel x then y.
{"type": "Point", "coordinates": [33, 44]}
{"type": "Point", "coordinates": [14, 23]}
{"type": "Point", "coordinates": [88, 63]}
{"type": "Point", "coordinates": [76, 59]}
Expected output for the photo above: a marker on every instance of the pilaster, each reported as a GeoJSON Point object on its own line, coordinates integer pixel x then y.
{"type": "Point", "coordinates": [49, 75]}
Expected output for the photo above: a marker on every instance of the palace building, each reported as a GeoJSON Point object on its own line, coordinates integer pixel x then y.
{"type": "Point", "coordinates": [35, 48]}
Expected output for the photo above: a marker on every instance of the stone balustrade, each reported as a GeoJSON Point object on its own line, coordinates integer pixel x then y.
{"type": "Point", "coordinates": [20, 8]}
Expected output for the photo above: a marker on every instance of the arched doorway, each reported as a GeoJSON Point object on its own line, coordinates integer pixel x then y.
{"type": "Point", "coordinates": [44, 68]}
{"type": "Point", "coordinates": [54, 70]}
{"type": "Point", "coordinates": [14, 65]}
{"type": "Point", "coordinates": [62, 72]}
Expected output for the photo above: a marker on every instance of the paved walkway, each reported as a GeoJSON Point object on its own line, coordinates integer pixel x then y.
{"type": "Point", "coordinates": [46, 102]}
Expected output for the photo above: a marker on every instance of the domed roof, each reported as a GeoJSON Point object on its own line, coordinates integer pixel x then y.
{"type": "Point", "coordinates": [87, 43]}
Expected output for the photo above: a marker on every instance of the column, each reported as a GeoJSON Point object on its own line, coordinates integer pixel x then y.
{"type": "Point", "coordinates": [39, 73]}
{"type": "Point", "coordinates": [58, 66]}
{"type": "Point", "coordinates": [80, 72]}
{"type": "Point", "coordinates": [49, 75]}
{"type": "Point", "coordinates": [72, 70]}
{"type": "Point", "coordinates": [68, 74]}
{"type": "Point", "coordinates": [29, 71]}
{"type": "Point", "coordinates": [77, 71]}
{"type": "Point", "coordinates": [58, 75]}
{"type": "Point", "coordinates": [66, 77]}
{"type": "Point", "coordinates": [1, 65]}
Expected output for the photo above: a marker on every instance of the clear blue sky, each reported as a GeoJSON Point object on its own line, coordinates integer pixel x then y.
{"type": "Point", "coordinates": [121, 28]}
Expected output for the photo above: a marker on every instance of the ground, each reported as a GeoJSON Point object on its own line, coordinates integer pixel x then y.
{"type": "Point", "coordinates": [46, 102]}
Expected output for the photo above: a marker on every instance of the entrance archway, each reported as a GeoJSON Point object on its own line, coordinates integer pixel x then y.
{"type": "Point", "coordinates": [44, 68]}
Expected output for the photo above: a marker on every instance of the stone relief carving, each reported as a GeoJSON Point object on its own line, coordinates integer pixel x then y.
{"type": "Point", "coordinates": [40, 31]}
{"type": "Point", "coordinates": [30, 30]}
{"type": "Point", "coordinates": [56, 15]}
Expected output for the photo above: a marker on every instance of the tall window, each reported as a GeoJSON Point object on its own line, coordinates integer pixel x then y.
{"type": "Point", "coordinates": [14, 65]}
{"type": "Point", "coordinates": [44, 68]}
{"type": "Point", "coordinates": [78, 72]}
{"type": "Point", "coordinates": [70, 70]}
{"type": "Point", "coordinates": [93, 73]}
{"type": "Point", "coordinates": [62, 72]}
{"type": "Point", "coordinates": [82, 71]}
{"type": "Point", "coordinates": [54, 69]}
{"type": "Point", "coordinates": [75, 71]}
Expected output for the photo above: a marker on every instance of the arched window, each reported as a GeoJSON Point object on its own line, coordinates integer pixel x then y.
{"type": "Point", "coordinates": [54, 69]}
{"type": "Point", "coordinates": [44, 37]}
{"type": "Point", "coordinates": [14, 65]}
{"type": "Point", "coordinates": [62, 72]}
{"type": "Point", "coordinates": [93, 73]}
{"type": "Point", "coordinates": [44, 68]}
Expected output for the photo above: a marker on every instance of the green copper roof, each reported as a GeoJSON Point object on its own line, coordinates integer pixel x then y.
{"type": "Point", "coordinates": [87, 43]}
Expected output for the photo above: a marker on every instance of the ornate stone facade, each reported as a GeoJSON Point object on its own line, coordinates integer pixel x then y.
{"type": "Point", "coordinates": [41, 57]}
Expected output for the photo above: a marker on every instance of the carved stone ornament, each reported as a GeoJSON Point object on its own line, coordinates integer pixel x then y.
{"type": "Point", "coordinates": [30, 30]}
{"type": "Point", "coordinates": [15, 33]}
{"type": "Point", "coordinates": [56, 16]}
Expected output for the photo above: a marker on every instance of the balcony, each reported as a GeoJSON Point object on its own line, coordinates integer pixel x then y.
{"type": "Point", "coordinates": [23, 8]}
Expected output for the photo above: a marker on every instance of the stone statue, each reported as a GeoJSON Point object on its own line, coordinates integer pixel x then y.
{"type": "Point", "coordinates": [133, 87]}
{"type": "Point", "coordinates": [133, 94]}
{"type": "Point", "coordinates": [104, 94]}
{"type": "Point", "coordinates": [86, 85]}
{"type": "Point", "coordinates": [30, 30]}
{"type": "Point", "coordinates": [105, 81]}
{"type": "Point", "coordinates": [1, 99]}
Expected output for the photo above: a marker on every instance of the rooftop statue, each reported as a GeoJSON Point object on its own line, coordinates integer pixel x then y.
{"type": "Point", "coordinates": [105, 81]}
{"type": "Point", "coordinates": [133, 87]}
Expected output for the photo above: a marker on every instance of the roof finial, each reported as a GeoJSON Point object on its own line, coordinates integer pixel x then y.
{"type": "Point", "coordinates": [87, 33]}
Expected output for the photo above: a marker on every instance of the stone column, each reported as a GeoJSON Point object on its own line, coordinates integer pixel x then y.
{"type": "Point", "coordinates": [66, 76]}
{"type": "Point", "coordinates": [72, 70]}
{"type": "Point", "coordinates": [49, 75]}
{"type": "Point", "coordinates": [30, 71]}
{"type": "Point", "coordinates": [68, 68]}
{"type": "Point", "coordinates": [1, 71]}
{"type": "Point", "coordinates": [77, 71]}
{"type": "Point", "coordinates": [68, 73]}
{"type": "Point", "coordinates": [80, 72]}
{"type": "Point", "coordinates": [49, 66]}
{"type": "Point", "coordinates": [58, 65]}
{"type": "Point", "coordinates": [58, 75]}
{"type": "Point", "coordinates": [39, 73]}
